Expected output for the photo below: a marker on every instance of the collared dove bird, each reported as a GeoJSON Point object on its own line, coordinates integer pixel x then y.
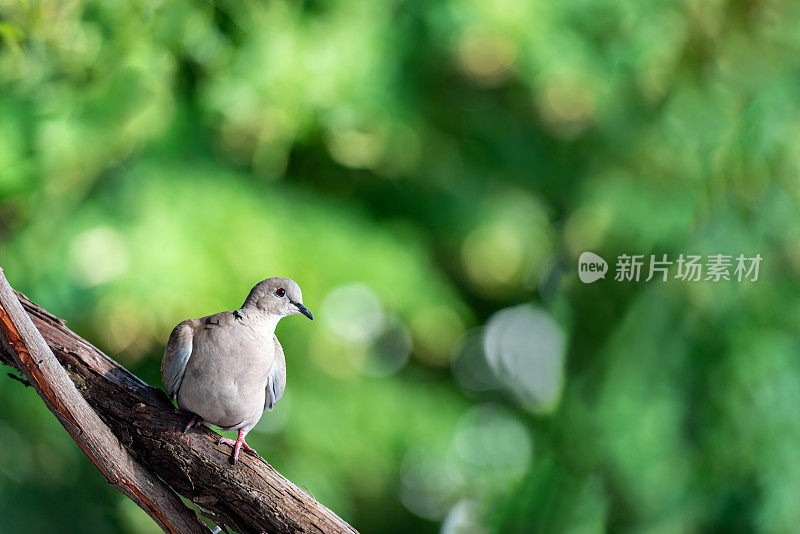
{"type": "Point", "coordinates": [227, 368]}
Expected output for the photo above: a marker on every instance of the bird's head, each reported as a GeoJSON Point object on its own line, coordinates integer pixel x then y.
{"type": "Point", "coordinates": [277, 296]}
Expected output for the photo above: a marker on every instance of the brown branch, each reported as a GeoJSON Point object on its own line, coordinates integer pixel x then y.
{"type": "Point", "coordinates": [249, 496]}
{"type": "Point", "coordinates": [30, 354]}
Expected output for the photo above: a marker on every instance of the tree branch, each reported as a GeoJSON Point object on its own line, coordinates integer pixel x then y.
{"type": "Point", "coordinates": [249, 496]}
{"type": "Point", "coordinates": [30, 354]}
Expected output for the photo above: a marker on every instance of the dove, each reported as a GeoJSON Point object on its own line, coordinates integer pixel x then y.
{"type": "Point", "coordinates": [226, 369]}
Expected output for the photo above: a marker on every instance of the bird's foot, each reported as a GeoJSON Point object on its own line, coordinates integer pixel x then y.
{"type": "Point", "coordinates": [237, 445]}
{"type": "Point", "coordinates": [195, 421]}
{"type": "Point", "coordinates": [233, 442]}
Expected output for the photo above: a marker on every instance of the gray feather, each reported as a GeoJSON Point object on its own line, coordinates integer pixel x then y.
{"type": "Point", "coordinates": [176, 356]}
{"type": "Point", "coordinates": [276, 382]}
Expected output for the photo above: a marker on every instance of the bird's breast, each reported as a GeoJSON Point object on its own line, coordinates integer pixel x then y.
{"type": "Point", "coordinates": [226, 378]}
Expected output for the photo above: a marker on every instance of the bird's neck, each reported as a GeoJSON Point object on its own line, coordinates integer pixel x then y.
{"type": "Point", "coordinates": [261, 322]}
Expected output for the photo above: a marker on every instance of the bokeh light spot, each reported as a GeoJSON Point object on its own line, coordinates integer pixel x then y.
{"type": "Point", "coordinates": [99, 255]}
{"type": "Point", "coordinates": [525, 348]}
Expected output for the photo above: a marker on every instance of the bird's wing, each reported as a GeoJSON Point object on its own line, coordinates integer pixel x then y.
{"type": "Point", "coordinates": [276, 381]}
{"type": "Point", "coordinates": [176, 356]}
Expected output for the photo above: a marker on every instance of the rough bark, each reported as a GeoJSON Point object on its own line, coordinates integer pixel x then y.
{"type": "Point", "coordinates": [29, 353]}
{"type": "Point", "coordinates": [249, 496]}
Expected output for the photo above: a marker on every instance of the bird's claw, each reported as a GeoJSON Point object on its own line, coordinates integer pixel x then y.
{"type": "Point", "coordinates": [236, 444]}
{"type": "Point", "coordinates": [195, 421]}
{"type": "Point", "coordinates": [232, 442]}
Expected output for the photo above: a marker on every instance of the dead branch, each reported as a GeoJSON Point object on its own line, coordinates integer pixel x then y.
{"type": "Point", "coordinates": [249, 496]}
{"type": "Point", "coordinates": [29, 353]}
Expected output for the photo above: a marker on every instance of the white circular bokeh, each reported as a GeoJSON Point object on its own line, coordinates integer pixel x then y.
{"type": "Point", "coordinates": [524, 347]}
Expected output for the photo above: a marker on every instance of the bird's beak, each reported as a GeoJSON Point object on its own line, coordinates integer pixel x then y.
{"type": "Point", "coordinates": [305, 311]}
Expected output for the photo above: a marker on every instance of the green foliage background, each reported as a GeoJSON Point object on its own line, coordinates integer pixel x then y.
{"type": "Point", "coordinates": [440, 161]}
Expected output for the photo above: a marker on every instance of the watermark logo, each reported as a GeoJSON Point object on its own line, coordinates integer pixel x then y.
{"type": "Point", "coordinates": [591, 267]}
{"type": "Point", "coordinates": [688, 267]}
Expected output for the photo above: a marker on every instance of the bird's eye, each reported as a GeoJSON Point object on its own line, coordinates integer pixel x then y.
{"type": "Point", "coordinates": [280, 292]}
